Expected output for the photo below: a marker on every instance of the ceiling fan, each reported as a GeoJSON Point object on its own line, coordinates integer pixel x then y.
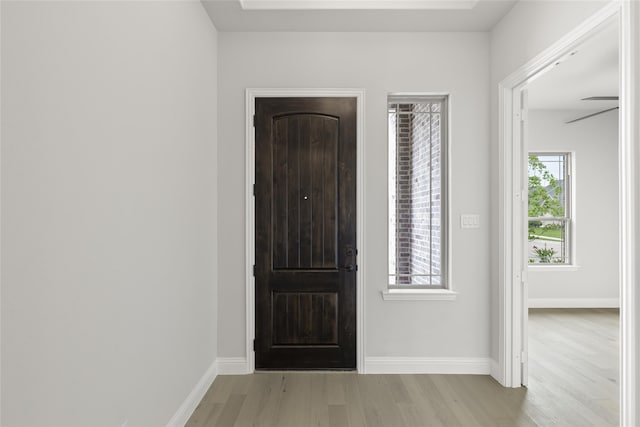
{"type": "Point", "coordinates": [596, 98]}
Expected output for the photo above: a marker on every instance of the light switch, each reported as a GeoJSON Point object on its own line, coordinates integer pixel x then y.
{"type": "Point", "coordinates": [469, 221]}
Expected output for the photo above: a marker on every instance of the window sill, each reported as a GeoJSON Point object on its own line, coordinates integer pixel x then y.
{"type": "Point", "coordinates": [419, 295]}
{"type": "Point", "coordinates": [553, 268]}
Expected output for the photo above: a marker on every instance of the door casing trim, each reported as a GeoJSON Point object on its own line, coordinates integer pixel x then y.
{"type": "Point", "coordinates": [250, 96]}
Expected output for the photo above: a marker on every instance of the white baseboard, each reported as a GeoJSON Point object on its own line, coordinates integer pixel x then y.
{"type": "Point", "coordinates": [428, 365]}
{"type": "Point", "coordinates": [574, 303]}
{"type": "Point", "coordinates": [232, 366]}
{"type": "Point", "coordinates": [189, 405]}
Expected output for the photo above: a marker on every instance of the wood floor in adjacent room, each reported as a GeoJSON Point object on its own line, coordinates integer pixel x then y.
{"type": "Point", "coordinates": [573, 381]}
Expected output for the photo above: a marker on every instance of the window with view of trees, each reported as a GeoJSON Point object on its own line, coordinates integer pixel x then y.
{"type": "Point", "coordinates": [549, 208]}
{"type": "Point", "coordinates": [417, 191]}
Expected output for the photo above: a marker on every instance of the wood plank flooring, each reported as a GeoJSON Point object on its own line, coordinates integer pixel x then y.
{"type": "Point", "coordinates": [574, 366]}
{"type": "Point", "coordinates": [573, 382]}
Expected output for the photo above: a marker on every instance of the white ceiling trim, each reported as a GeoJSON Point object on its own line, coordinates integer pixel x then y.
{"type": "Point", "coordinates": [358, 4]}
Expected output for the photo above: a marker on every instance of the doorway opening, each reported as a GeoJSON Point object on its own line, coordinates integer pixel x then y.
{"type": "Point", "coordinates": [570, 135]}
{"type": "Point", "coordinates": [513, 242]}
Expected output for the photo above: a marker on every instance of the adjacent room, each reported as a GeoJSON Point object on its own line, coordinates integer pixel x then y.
{"type": "Point", "coordinates": [573, 288]}
{"type": "Point", "coordinates": [292, 213]}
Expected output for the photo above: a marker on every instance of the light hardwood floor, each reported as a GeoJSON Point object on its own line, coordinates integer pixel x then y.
{"type": "Point", "coordinates": [573, 358]}
{"type": "Point", "coordinates": [573, 382]}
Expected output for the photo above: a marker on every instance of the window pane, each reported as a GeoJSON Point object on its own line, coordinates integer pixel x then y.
{"type": "Point", "coordinates": [547, 185]}
{"type": "Point", "coordinates": [548, 241]}
{"type": "Point", "coordinates": [549, 211]}
{"type": "Point", "coordinates": [415, 193]}
{"type": "Point", "coordinates": [392, 193]}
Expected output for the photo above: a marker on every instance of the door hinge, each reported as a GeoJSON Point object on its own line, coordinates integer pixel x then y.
{"type": "Point", "coordinates": [254, 270]}
{"type": "Point", "coordinates": [254, 345]}
{"type": "Point", "coordinates": [254, 120]}
{"type": "Point", "coordinates": [254, 189]}
{"type": "Point", "coordinates": [523, 115]}
{"type": "Point", "coordinates": [524, 276]}
{"type": "Point", "coordinates": [524, 357]}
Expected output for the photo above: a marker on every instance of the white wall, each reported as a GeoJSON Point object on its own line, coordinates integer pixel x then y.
{"type": "Point", "coordinates": [108, 210]}
{"type": "Point", "coordinates": [381, 64]}
{"type": "Point", "coordinates": [594, 144]}
{"type": "Point", "coordinates": [529, 28]}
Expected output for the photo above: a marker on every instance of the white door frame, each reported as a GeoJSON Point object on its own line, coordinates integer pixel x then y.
{"type": "Point", "coordinates": [251, 95]}
{"type": "Point", "coordinates": [512, 210]}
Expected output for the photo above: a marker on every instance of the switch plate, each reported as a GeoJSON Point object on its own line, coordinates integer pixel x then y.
{"type": "Point", "coordinates": [469, 221]}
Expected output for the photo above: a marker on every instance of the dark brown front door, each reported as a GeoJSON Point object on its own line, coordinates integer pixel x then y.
{"type": "Point", "coordinates": [305, 233]}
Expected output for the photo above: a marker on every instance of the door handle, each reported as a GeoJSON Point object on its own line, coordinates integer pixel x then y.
{"type": "Point", "coordinates": [350, 261]}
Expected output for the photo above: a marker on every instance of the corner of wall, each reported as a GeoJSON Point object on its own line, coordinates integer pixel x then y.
{"type": "Point", "coordinates": [190, 404]}
{"type": "Point", "coordinates": [496, 372]}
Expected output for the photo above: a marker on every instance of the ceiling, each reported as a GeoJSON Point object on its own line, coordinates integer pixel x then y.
{"type": "Point", "coordinates": [591, 71]}
{"type": "Point", "coordinates": [356, 15]}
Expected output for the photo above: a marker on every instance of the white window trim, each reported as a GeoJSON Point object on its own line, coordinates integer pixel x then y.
{"type": "Point", "coordinates": [430, 294]}
{"type": "Point", "coordinates": [419, 295]}
{"type": "Point", "coordinates": [553, 268]}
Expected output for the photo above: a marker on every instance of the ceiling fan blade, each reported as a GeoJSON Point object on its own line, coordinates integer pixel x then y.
{"type": "Point", "coordinates": [591, 115]}
{"type": "Point", "coordinates": [601, 98]}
